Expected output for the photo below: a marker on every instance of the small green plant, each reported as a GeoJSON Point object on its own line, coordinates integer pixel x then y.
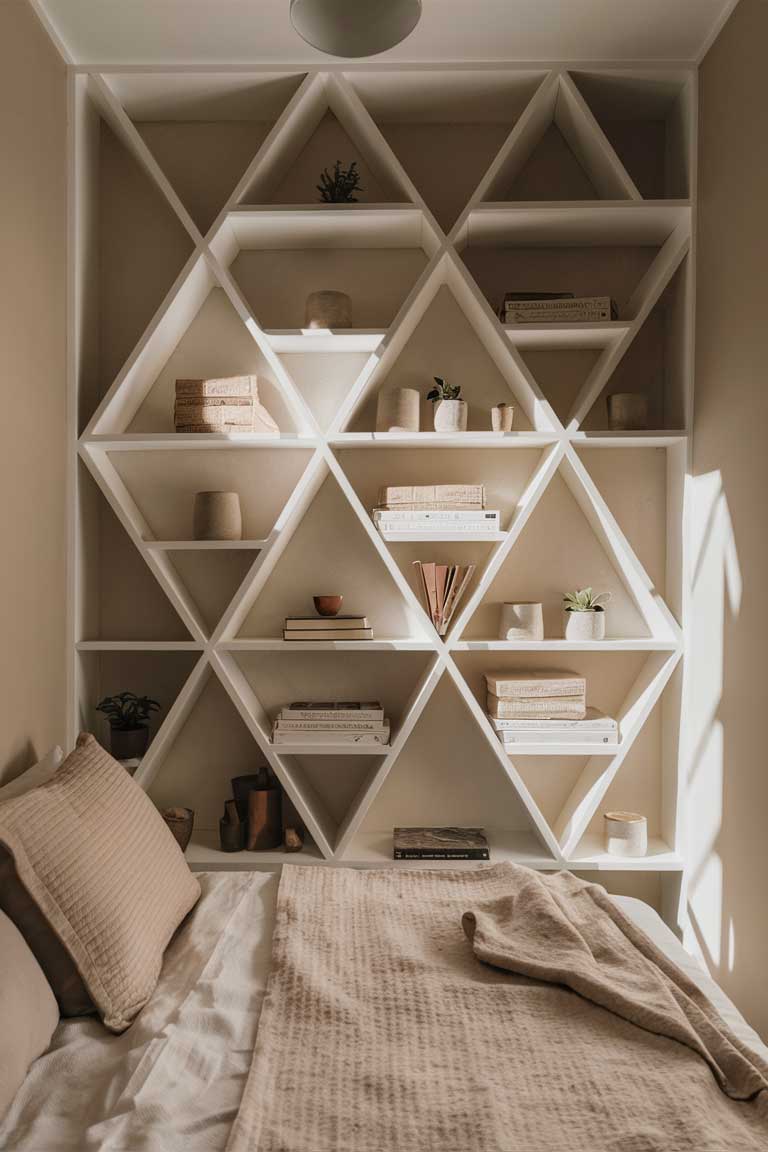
{"type": "Point", "coordinates": [585, 601]}
{"type": "Point", "coordinates": [127, 712]}
{"type": "Point", "coordinates": [444, 391]}
{"type": "Point", "coordinates": [339, 186]}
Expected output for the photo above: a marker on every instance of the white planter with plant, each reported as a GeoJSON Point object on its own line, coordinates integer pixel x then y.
{"type": "Point", "coordinates": [449, 411]}
{"type": "Point", "coordinates": [584, 615]}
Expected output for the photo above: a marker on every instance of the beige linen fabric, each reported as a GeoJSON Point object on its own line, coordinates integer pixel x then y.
{"type": "Point", "coordinates": [28, 1011]}
{"type": "Point", "coordinates": [384, 1031]}
{"type": "Point", "coordinates": [95, 856]}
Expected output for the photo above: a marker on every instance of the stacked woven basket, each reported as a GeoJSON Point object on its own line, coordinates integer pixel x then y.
{"type": "Point", "coordinates": [229, 404]}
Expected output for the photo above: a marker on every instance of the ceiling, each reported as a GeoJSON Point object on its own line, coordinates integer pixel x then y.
{"type": "Point", "coordinates": [258, 31]}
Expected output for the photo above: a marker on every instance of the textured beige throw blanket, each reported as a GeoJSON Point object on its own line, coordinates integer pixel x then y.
{"type": "Point", "coordinates": [493, 1010]}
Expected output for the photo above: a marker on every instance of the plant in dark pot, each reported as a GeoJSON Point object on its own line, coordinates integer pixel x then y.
{"type": "Point", "coordinates": [128, 716]}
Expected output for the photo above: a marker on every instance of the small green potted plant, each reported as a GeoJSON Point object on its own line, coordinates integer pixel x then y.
{"type": "Point", "coordinates": [128, 716]}
{"type": "Point", "coordinates": [339, 186]}
{"type": "Point", "coordinates": [584, 615]}
{"type": "Point", "coordinates": [449, 411]}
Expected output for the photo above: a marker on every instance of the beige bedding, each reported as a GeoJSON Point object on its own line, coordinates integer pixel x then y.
{"type": "Point", "coordinates": [550, 1024]}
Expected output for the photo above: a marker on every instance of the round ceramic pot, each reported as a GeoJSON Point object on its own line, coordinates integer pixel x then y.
{"type": "Point", "coordinates": [626, 833]}
{"type": "Point", "coordinates": [127, 744]}
{"type": "Point", "coordinates": [523, 621]}
{"type": "Point", "coordinates": [584, 625]}
{"type": "Point", "coordinates": [217, 516]}
{"type": "Point", "coordinates": [327, 605]}
{"type": "Point", "coordinates": [627, 412]}
{"type": "Point", "coordinates": [398, 410]}
{"type": "Point", "coordinates": [450, 415]}
{"type": "Point", "coordinates": [180, 821]}
{"type": "Point", "coordinates": [502, 416]}
{"type": "Point", "coordinates": [328, 310]}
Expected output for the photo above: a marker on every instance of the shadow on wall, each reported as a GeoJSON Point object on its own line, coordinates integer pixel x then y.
{"type": "Point", "coordinates": [717, 758]}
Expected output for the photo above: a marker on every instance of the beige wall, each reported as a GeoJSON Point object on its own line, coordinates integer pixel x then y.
{"type": "Point", "coordinates": [32, 339]}
{"type": "Point", "coordinates": [728, 765]}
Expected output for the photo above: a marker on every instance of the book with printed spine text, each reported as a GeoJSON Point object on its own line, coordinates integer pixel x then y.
{"type": "Point", "coordinates": [440, 844]}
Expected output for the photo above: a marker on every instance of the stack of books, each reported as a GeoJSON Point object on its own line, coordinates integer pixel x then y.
{"type": "Point", "coordinates": [556, 308]}
{"type": "Point", "coordinates": [327, 628]}
{"type": "Point", "coordinates": [440, 844]}
{"type": "Point", "coordinates": [438, 511]}
{"type": "Point", "coordinates": [442, 587]}
{"type": "Point", "coordinates": [331, 722]}
{"type": "Point", "coordinates": [595, 729]}
{"type": "Point", "coordinates": [229, 404]}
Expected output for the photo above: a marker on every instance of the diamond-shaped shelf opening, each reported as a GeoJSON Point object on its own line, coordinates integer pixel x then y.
{"type": "Point", "coordinates": [115, 579]}
{"type": "Point", "coordinates": [447, 767]}
{"type": "Point", "coordinates": [646, 119]}
{"type": "Point", "coordinates": [135, 248]}
{"type": "Point", "coordinates": [446, 344]}
{"type": "Point", "coordinates": [558, 551]}
{"type": "Point", "coordinates": [656, 362]}
{"type": "Point", "coordinates": [330, 552]}
{"type": "Point", "coordinates": [157, 674]}
{"type": "Point", "coordinates": [600, 250]}
{"type": "Point", "coordinates": [163, 484]}
{"type": "Point", "coordinates": [278, 258]}
{"type": "Point", "coordinates": [204, 129]}
{"type": "Point", "coordinates": [634, 486]}
{"type": "Point", "coordinates": [211, 747]}
{"type": "Point", "coordinates": [429, 119]}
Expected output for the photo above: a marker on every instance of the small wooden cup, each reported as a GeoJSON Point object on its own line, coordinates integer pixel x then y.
{"type": "Point", "coordinates": [181, 821]}
{"type": "Point", "coordinates": [327, 605]}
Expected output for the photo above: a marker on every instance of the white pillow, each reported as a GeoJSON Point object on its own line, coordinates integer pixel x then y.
{"type": "Point", "coordinates": [38, 774]}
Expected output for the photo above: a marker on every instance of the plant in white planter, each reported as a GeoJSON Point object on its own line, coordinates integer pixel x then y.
{"type": "Point", "coordinates": [584, 615]}
{"type": "Point", "coordinates": [449, 411]}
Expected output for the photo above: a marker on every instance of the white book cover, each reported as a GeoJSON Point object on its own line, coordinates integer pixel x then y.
{"type": "Point", "coordinates": [453, 515]}
{"type": "Point", "coordinates": [330, 738]}
{"type": "Point", "coordinates": [380, 726]}
{"type": "Point", "coordinates": [332, 710]}
{"type": "Point", "coordinates": [595, 720]}
{"type": "Point", "coordinates": [563, 736]}
{"type": "Point", "coordinates": [528, 685]}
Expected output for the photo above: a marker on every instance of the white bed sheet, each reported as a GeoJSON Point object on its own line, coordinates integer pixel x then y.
{"type": "Point", "coordinates": [174, 1080]}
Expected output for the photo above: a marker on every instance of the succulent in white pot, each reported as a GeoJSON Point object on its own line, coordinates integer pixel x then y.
{"type": "Point", "coordinates": [584, 614]}
{"type": "Point", "coordinates": [449, 411]}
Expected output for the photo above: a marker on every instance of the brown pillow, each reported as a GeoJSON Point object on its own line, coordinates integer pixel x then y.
{"type": "Point", "coordinates": [27, 1010]}
{"type": "Point", "coordinates": [93, 854]}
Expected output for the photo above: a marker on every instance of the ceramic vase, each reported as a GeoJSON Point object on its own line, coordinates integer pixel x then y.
{"type": "Point", "coordinates": [501, 417]}
{"type": "Point", "coordinates": [449, 415]}
{"type": "Point", "coordinates": [626, 833]}
{"type": "Point", "coordinates": [231, 836]}
{"type": "Point", "coordinates": [328, 310]}
{"type": "Point", "coordinates": [398, 410]}
{"type": "Point", "coordinates": [217, 516]}
{"type": "Point", "coordinates": [265, 818]}
{"type": "Point", "coordinates": [180, 821]}
{"type": "Point", "coordinates": [584, 625]}
{"type": "Point", "coordinates": [328, 604]}
{"type": "Point", "coordinates": [627, 412]}
{"type": "Point", "coordinates": [523, 621]}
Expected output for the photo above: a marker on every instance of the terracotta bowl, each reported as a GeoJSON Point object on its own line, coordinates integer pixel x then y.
{"type": "Point", "coordinates": [327, 605]}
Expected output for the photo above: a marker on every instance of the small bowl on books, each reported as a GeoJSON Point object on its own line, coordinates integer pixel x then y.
{"type": "Point", "coordinates": [327, 605]}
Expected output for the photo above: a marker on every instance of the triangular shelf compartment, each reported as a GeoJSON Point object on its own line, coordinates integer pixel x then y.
{"type": "Point", "coordinates": [446, 127]}
{"type": "Point", "coordinates": [134, 247]}
{"type": "Point", "coordinates": [212, 577]}
{"type": "Point", "coordinates": [159, 674]}
{"type": "Point", "coordinates": [328, 550]}
{"type": "Point", "coordinates": [325, 381]}
{"type": "Point", "coordinates": [557, 147]}
{"type": "Point", "coordinates": [205, 129]}
{"type": "Point", "coordinates": [646, 117]}
{"type": "Point", "coordinates": [564, 545]}
{"type": "Point", "coordinates": [198, 334]}
{"type": "Point", "coordinates": [447, 766]}
{"type": "Point", "coordinates": [561, 374]}
{"type": "Point", "coordinates": [324, 125]}
{"type": "Point", "coordinates": [114, 579]}
{"type": "Point", "coordinates": [447, 331]}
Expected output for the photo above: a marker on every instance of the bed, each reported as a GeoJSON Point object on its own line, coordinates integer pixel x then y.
{"type": "Point", "coordinates": [175, 1079]}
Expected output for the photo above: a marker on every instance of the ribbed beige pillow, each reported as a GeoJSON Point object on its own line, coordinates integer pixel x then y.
{"type": "Point", "coordinates": [28, 1012]}
{"type": "Point", "coordinates": [94, 854]}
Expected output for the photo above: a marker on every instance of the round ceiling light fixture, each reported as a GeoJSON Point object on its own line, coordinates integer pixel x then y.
{"type": "Point", "coordinates": [354, 27]}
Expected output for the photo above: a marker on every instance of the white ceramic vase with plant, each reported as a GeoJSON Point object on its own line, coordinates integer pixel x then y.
{"type": "Point", "coordinates": [584, 614]}
{"type": "Point", "coordinates": [449, 411]}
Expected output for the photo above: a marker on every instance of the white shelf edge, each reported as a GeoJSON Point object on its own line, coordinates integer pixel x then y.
{"type": "Point", "coordinates": [206, 545]}
{"type": "Point", "coordinates": [268, 644]}
{"type": "Point", "coordinates": [610, 644]}
{"type": "Point", "coordinates": [380, 750]}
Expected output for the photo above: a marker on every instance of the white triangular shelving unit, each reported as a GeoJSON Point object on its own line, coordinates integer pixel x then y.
{"type": "Point", "coordinates": [243, 284]}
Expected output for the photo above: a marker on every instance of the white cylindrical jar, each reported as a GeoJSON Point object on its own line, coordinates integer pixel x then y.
{"type": "Point", "coordinates": [398, 410]}
{"type": "Point", "coordinates": [626, 833]}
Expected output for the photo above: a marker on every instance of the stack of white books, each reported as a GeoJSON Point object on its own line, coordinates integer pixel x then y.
{"type": "Point", "coordinates": [451, 524]}
{"type": "Point", "coordinates": [331, 722]}
{"type": "Point", "coordinates": [596, 728]}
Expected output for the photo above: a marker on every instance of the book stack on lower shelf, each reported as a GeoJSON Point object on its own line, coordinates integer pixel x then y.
{"type": "Point", "coordinates": [325, 628]}
{"type": "Point", "coordinates": [556, 308]}
{"type": "Point", "coordinates": [546, 708]}
{"type": "Point", "coordinates": [435, 512]}
{"type": "Point", "coordinates": [334, 722]}
{"type": "Point", "coordinates": [442, 587]}
{"type": "Point", "coordinates": [440, 844]}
